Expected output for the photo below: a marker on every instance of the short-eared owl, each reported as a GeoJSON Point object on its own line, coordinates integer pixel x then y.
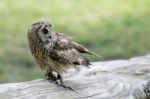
{"type": "Point", "coordinates": [55, 52]}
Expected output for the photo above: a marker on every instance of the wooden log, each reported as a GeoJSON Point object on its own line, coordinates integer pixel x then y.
{"type": "Point", "coordinates": [117, 79]}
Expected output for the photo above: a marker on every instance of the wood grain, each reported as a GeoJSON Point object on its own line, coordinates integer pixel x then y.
{"type": "Point", "coordinates": [117, 79]}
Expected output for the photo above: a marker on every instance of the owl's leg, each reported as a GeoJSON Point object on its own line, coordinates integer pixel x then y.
{"type": "Point", "coordinates": [55, 77]}
{"type": "Point", "coordinates": [59, 77]}
{"type": "Point", "coordinates": [58, 80]}
{"type": "Point", "coordinates": [50, 76]}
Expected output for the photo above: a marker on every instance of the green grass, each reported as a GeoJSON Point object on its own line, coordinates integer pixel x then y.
{"type": "Point", "coordinates": [112, 28]}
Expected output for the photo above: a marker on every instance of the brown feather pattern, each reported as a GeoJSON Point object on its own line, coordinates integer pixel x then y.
{"type": "Point", "coordinates": [59, 53]}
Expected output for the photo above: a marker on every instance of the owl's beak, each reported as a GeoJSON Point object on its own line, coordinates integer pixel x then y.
{"type": "Point", "coordinates": [50, 37]}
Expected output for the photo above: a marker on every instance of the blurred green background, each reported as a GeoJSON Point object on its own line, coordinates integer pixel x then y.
{"type": "Point", "coordinates": [115, 29]}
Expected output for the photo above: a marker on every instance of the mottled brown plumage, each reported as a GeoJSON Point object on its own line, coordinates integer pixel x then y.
{"type": "Point", "coordinates": [55, 51]}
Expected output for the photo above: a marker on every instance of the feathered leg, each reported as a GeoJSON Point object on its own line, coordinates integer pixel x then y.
{"type": "Point", "coordinates": [54, 77]}
{"type": "Point", "coordinates": [50, 76]}
{"type": "Point", "coordinates": [57, 78]}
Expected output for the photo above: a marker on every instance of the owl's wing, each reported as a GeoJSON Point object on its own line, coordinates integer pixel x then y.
{"type": "Point", "coordinates": [65, 51]}
{"type": "Point", "coordinates": [64, 41]}
{"type": "Point", "coordinates": [81, 48]}
{"type": "Point", "coordinates": [69, 56]}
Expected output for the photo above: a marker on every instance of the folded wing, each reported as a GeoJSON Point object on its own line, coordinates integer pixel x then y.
{"type": "Point", "coordinates": [68, 52]}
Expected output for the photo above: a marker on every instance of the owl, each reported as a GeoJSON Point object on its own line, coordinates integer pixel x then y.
{"type": "Point", "coordinates": [55, 52]}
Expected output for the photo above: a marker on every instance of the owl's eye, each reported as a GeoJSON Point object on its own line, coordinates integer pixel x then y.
{"type": "Point", "coordinates": [45, 31]}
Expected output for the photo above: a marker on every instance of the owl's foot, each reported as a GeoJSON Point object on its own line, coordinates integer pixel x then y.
{"type": "Point", "coordinates": [57, 78]}
{"type": "Point", "coordinates": [50, 76]}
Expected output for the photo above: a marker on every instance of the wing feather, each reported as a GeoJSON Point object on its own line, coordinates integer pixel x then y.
{"type": "Point", "coordinates": [68, 52]}
{"type": "Point", "coordinates": [81, 48]}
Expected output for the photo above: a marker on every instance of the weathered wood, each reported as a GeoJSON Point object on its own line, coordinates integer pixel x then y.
{"type": "Point", "coordinates": [119, 79]}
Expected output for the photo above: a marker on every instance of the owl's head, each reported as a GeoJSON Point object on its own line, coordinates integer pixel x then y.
{"type": "Point", "coordinates": [41, 30]}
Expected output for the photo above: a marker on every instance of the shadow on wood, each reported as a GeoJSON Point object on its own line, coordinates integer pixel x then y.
{"type": "Point", "coordinates": [119, 79]}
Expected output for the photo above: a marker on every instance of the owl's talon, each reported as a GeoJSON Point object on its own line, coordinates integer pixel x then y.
{"type": "Point", "coordinates": [59, 77]}
{"type": "Point", "coordinates": [53, 77]}
{"type": "Point", "coordinates": [58, 83]}
{"type": "Point", "coordinates": [50, 77]}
